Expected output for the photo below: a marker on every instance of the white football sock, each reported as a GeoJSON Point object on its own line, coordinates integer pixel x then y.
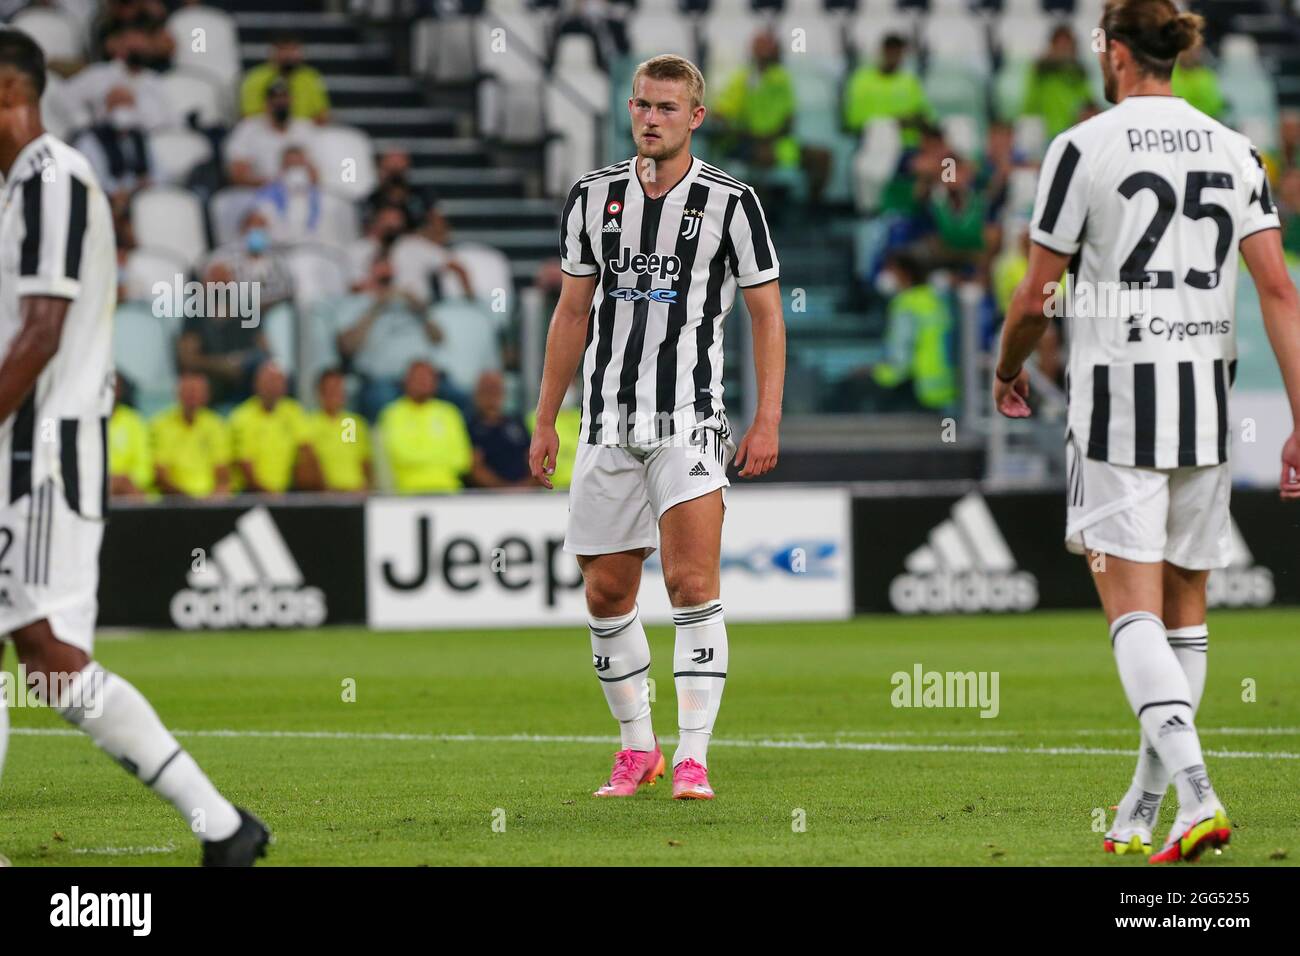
{"type": "Point", "coordinates": [4, 729]}
{"type": "Point", "coordinates": [1160, 695]}
{"type": "Point", "coordinates": [699, 672]}
{"type": "Point", "coordinates": [122, 724]}
{"type": "Point", "coordinates": [1141, 805]}
{"type": "Point", "coordinates": [621, 654]}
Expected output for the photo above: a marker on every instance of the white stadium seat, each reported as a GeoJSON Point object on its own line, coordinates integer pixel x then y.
{"type": "Point", "coordinates": [868, 30]}
{"type": "Point", "coordinates": [875, 162]}
{"type": "Point", "coordinates": [651, 33]}
{"type": "Point", "coordinates": [145, 267]}
{"type": "Point", "coordinates": [145, 352]}
{"type": "Point", "coordinates": [822, 38]}
{"type": "Point", "coordinates": [176, 152]}
{"type": "Point", "coordinates": [207, 39]}
{"type": "Point", "coordinates": [58, 33]}
{"type": "Point", "coordinates": [345, 160]}
{"type": "Point", "coordinates": [1023, 37]}
{"type": "Point", "coordinates": [197, 92]}
{"type": "Point", "coordinates": [443, 48]}
{"type": "Point", "coordinates": [171, 218]}
{"type": "Point", "coordinates": [957, 39]}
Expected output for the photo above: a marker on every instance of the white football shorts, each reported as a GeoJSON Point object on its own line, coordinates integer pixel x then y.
{"type": "Point", "coordinates": [619, 492]}
{"type": "Point", "coordinates": [1179, 515]}
{"type": "Point", "coordinates": [49, 567]}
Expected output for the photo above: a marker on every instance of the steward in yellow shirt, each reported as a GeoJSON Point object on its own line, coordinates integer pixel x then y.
{"type": "Point", "coordinates": [425, 439]}
{"type": "Point", "coordinates": [341, 439]}
{"type": "Point", "coordinates": [270, 435]}
{"type": "Point", "coordinates": [191, 444]}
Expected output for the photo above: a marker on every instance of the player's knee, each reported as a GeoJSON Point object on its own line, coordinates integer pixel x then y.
{"type": "Point", "coordinates": [608, 597]}
{"type": "Point", "coordinates": [690, 588]}
{"type": "Point", "coordinates": [41, 653]}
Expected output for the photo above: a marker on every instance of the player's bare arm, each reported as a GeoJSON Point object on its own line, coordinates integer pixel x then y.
{"type": "Point", "coordinates": [757, 453]}
{"type": "Point", "coordinates": [1025, 324]}
{"type": "Point", "coordinates": [565, 342]}
{"type": "Point", "coordinates": [31, 350]}
{"type": "Point", "coordinates": [1281, 308]}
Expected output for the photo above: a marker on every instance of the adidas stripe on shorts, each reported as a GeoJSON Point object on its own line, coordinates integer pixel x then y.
{"type": "Point", "coordinates": [1179, 515]}
{"type": "Point", "coordinates": [49, 566]}
{"type": "Point", "coordinates": [619, 492]}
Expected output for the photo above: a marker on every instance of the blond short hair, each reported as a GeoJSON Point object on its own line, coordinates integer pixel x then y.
{"type": "Point", "coordinates": [669, 66]}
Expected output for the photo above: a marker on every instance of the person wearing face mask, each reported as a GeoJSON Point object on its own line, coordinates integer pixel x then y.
{"type": "Point", "coordinates": [128, 46]}
{"type": "Point", "coordinates": [118, 149]}
{"type": "Point", "coordinates": [917, 372]}
{"type": "Point", "coordinates": [396, 189]}
{"type": "Point", "coordinates": [251, 258]}
{"type": "Point", "coordinates": [292, 204]}
{"type": "Point", "coordinates": [307, 89]}
{"type": "Point", "coordinates": [256, 147]}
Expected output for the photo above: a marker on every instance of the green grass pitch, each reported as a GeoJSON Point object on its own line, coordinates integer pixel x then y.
{"type": "Point", "coordinates": [811, 762]}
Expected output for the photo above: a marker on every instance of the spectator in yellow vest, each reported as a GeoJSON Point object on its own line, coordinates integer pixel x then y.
{"type": "Point", "coordinates": [271, 441]}
{"type": "Point", "coordinates": [130, 459]}
{"type": "Point", "coordinates": [340, 438]}
{"type": "Point", "coordinates": [191, 444]}
{"type": "Point", "coordinates": [425, 439]}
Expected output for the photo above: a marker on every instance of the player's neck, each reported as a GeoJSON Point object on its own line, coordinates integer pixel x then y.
{"type": "Point", "coordinates": [664, 174]}
{"type": "Point", "coordinates": [1147, 86]}
{"type": "Point", "coordinates": [26, 127]}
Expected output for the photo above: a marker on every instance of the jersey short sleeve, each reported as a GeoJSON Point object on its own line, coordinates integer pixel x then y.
{"type": "Point", "coordinates": [1261, 211]}
{"type": "Point", "coordinates": [1061, 206]}
{"type": "Point", "coordinates": [576, 255]}
{"type": "Point", "coordinates": [751, 244]}
{"type": "Point", "coordinates": [53, 216]}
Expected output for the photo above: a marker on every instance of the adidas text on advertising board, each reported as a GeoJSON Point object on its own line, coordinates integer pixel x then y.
{"type": "Point", "coordinates": [965, 565]}
{"type": "Point", "coordinates": [78, 909]}
{"type": "Point", "coordinates": [249, 579]}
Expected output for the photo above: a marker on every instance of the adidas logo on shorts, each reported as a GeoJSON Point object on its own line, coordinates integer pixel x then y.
{"type": "Point", "coordinates": [699, 471]}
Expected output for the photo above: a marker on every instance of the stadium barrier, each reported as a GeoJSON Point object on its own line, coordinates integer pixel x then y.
{"type": "Point", "coordinates": [492, 560]}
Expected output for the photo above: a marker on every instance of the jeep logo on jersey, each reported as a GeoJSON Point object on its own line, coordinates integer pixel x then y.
{"type": "Point", "coordinates": [635, 295]}
{"type": "Point", "coordinates": [248, 579]}
{"type": "Point", "coordinates": [662, 267]}
{"type": "Point", "coordinates": [965, 566]}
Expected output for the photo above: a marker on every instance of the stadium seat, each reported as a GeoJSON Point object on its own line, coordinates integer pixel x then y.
{"type": "Point", "coordinates": [955, 89]}
{"type": "Point", "coordinates": [489, 271]}
{"type": "Point", "coordinates": [822, 39]}
{"type": "Point", "coordinates": [962, 132]}
{"type": "Point", "coordinates": [226, 209]}
{"type": "Point", "coordinates": [1022, 37]}
{"type": "Point", "coordinates": [727, 38]}
{"type": "Point", "coordinates": [58, 33]}
{"type": "Point", "coordinates": [651, 33]}
{"type": "Point", "coordinates": [1021, 189]}
{"type": "Point", "coordinates": [1031, 136]}
{"type": "Point", "coordinates": [193, 92]}
{"type": "Point", "coordinates": [176, 152]}
{"type": "Point", "coordinates": [958, 40]}
{"type": "Point", "coordinates": [60, 113]}
{"type": "Point", "coordinates": [145, 352]}
{"type": "Point", "coordinates": [443, 49]}
{"type": "Point", "coordinates": [319, 272]}
{"type": "Point", "coordinates": [345, 161]}
{"type": "Point", "coordinates": [573, 150]}
{"type": "Point", "coordinates": [145, 267]}
{"type": "Point", "coordinates": [469, 344]}
{"type": "Point", "coordinates": [509, 56]}
{"type": "Point", "coordinates": [207, 40]}
{"type": "Point", "coordinates": [171, 218]}
{"type": "Point", "coordinates": [278, 325]}
{"type": "Point", "coordinates": [868, 30]}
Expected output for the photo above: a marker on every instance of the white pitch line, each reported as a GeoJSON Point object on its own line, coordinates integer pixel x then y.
{"type": "Point", "coordinates": [124, 850]}
{"type": "Point", "coordinates": [757, 743]}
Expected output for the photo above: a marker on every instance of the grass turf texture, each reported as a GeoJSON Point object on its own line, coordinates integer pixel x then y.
{"type": "Point", "coordinates": [349, 800]}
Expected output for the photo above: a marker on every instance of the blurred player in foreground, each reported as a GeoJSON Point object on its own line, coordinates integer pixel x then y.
{"type": "Point", "coordinates": [58, 278]}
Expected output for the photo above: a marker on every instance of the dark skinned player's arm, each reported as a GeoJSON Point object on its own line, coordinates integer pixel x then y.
{"type": "Point", "coordinates": [31, 349]}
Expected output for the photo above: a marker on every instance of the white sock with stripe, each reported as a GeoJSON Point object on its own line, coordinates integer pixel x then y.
{"type": "Point", "coordinates": [699, 673]}
{"type": "Point", "coordinates": [120, 721]}
{"type": "Point", "coordinates": [1160, 695]}
{"type": "Point", "coordinates": [621, 654]}
{"type": "Point", "coordinates": [1141, 805]}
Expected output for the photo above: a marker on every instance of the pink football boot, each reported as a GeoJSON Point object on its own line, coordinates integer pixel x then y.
{"type": "Point", "coordinates": [632, 768]}
{"type": "Point", "coordinates": [691, 781]}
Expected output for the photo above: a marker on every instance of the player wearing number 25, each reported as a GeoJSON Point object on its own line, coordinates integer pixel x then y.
{"type": "Point", "coordinates": [1155, 200]}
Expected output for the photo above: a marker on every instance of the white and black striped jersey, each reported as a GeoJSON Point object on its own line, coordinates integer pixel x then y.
{"type": "Point", "coordinates": [1151, 198]}
{"type": "Point", "coordinates": [668, 271]}
{"type": "Point", "coordinates": [56, 239]}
